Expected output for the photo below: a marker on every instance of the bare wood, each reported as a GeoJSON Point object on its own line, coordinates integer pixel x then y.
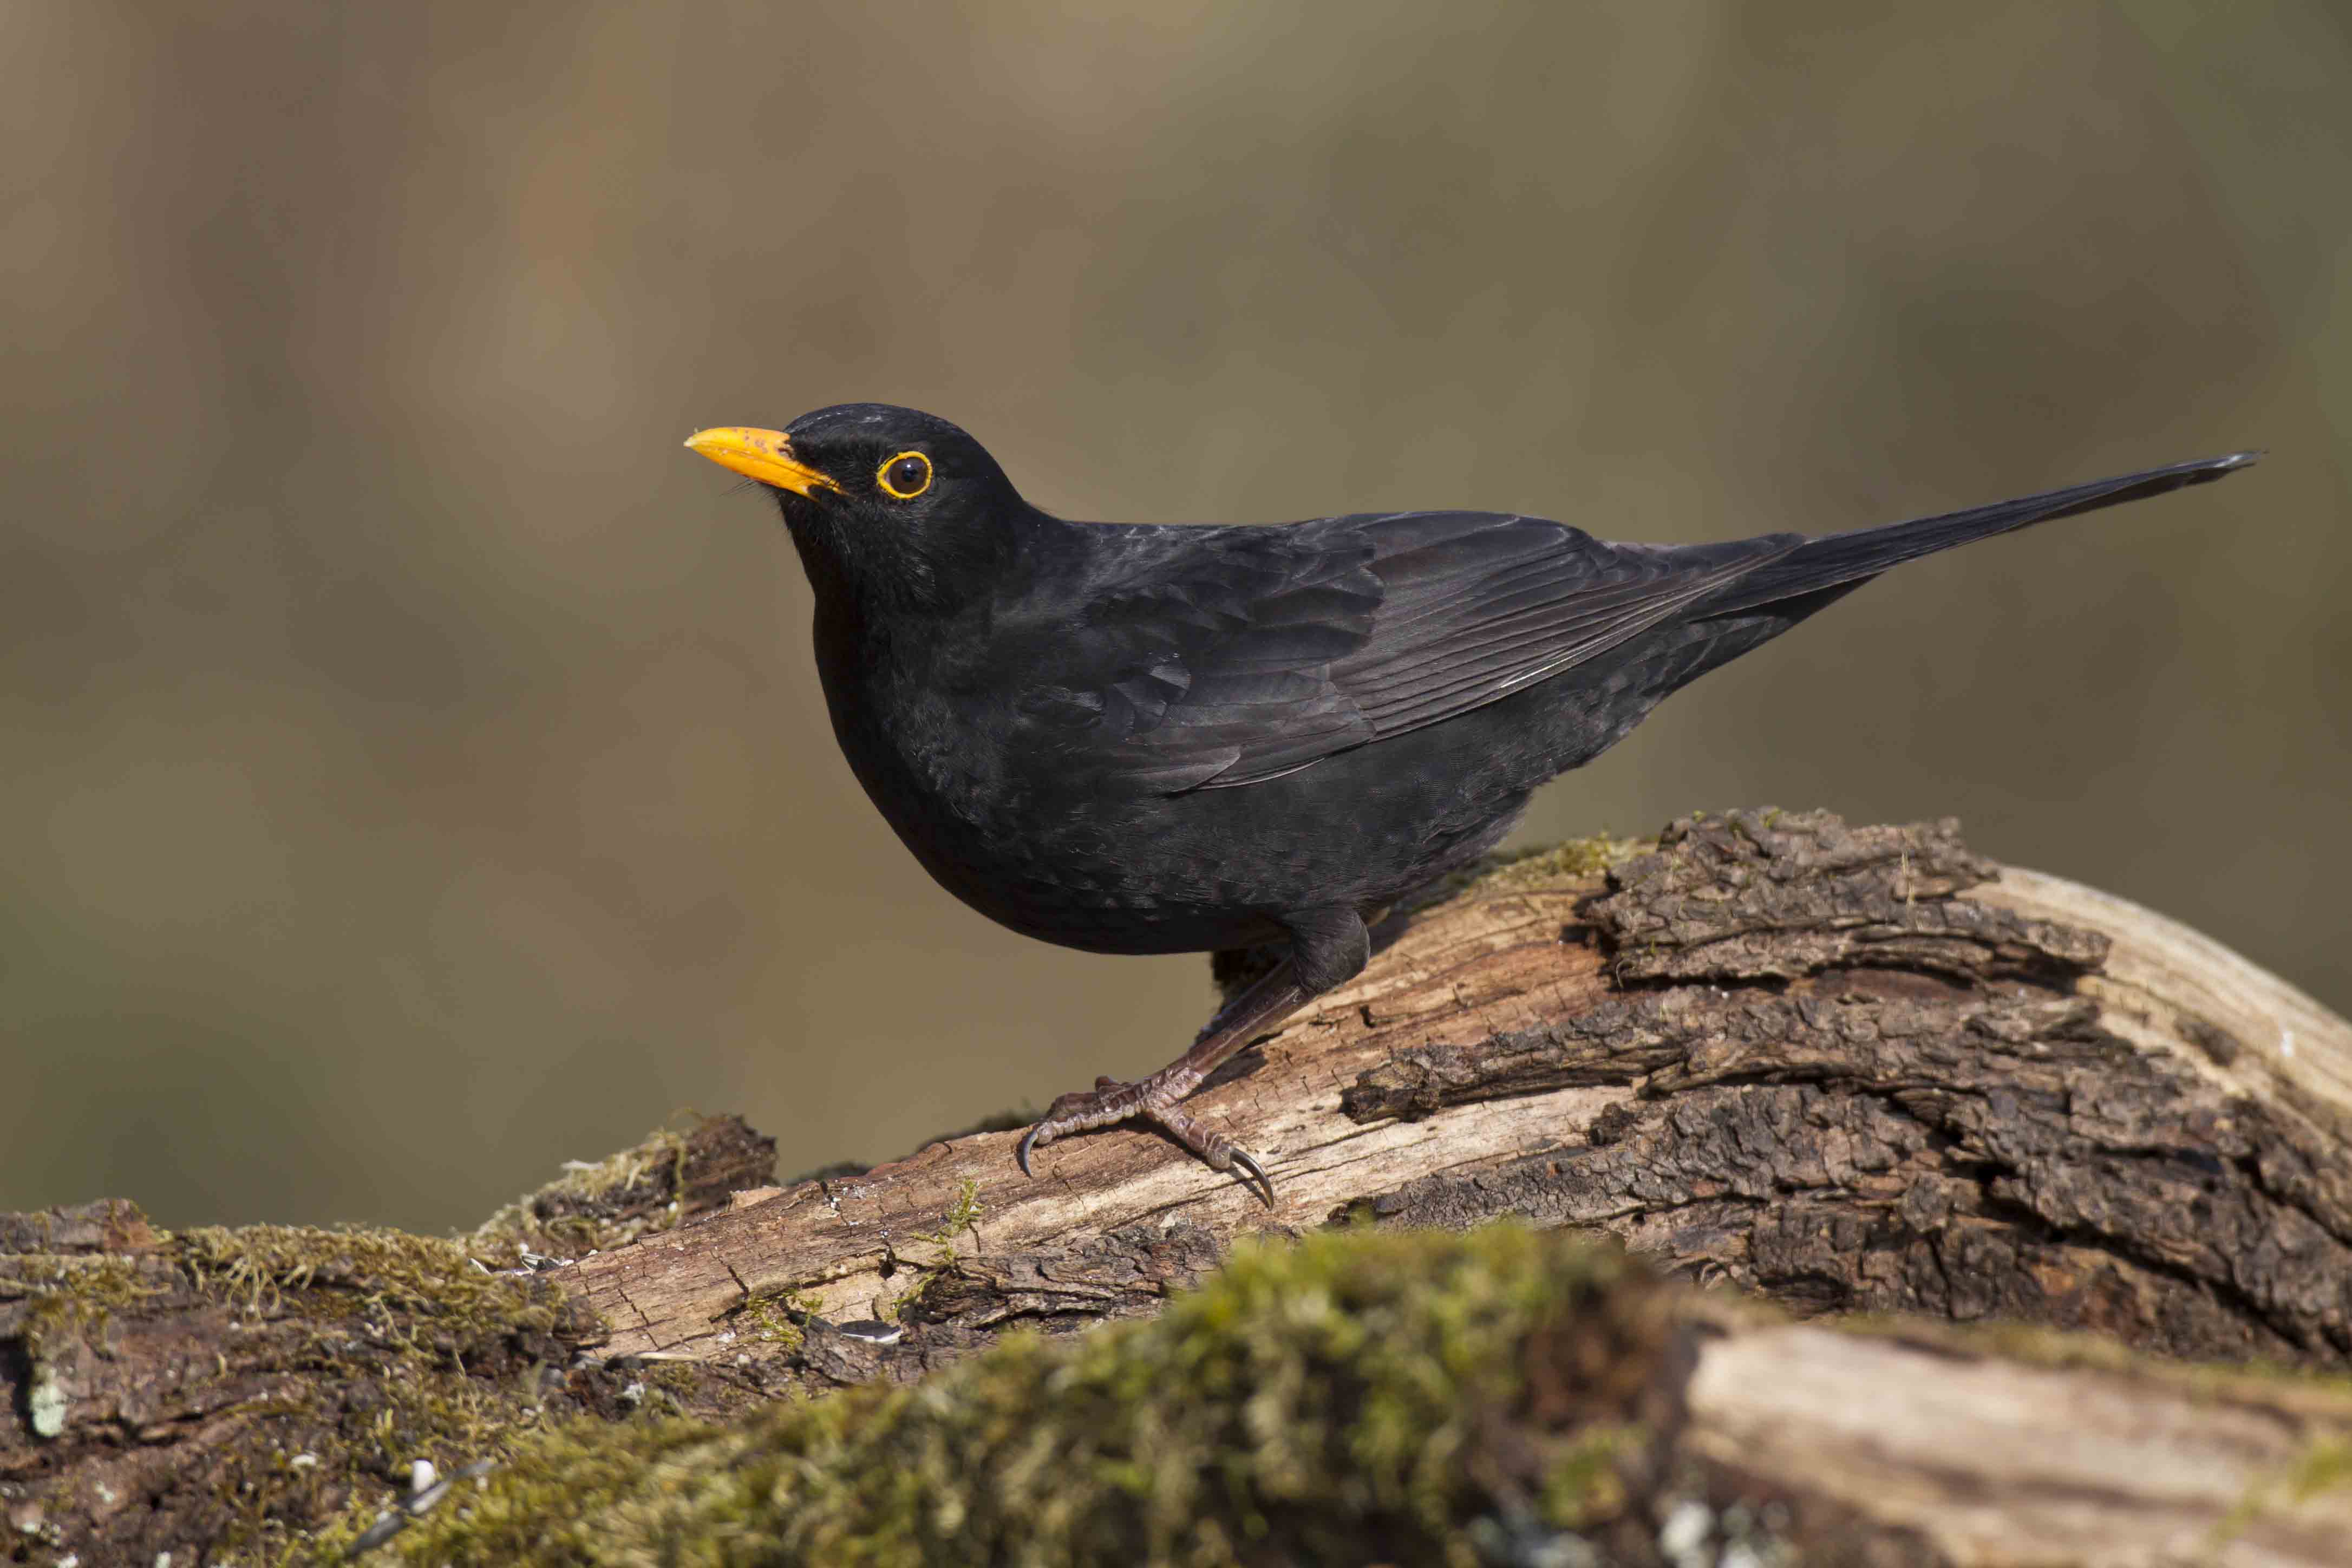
{"type": "Point", "coordinates": [1933, 1449]}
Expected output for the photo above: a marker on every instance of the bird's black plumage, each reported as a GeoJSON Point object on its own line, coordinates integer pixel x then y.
{"type": "Point", "coordinates": [1137, 738]}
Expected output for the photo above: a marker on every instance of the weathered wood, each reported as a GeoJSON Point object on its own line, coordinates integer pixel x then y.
{"type": "Point", "coordinates": [1938, 1449]}
{"type": "Point", "coordinates": [1849, 1069]}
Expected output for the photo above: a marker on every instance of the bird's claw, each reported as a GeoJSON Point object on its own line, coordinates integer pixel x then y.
{"type": "Point", "coordinates": [1084, 1110]}
{"type": "Point", "coordinates": [1254, 1177]}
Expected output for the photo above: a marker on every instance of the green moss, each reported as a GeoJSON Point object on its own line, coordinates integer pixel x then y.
{"type": "Point", "coordinates": [401, 1348]}
{"type": "Point", "coordinates": [74, 1293]}
{"type": "Point", "coordinates": [428, 1356]}
{"type": "Point", "coordinates": [1544, 864]}
{"type": "Point", "coordinates": [678, 1377]}
{"type": "Point", "coordinates": [1331, 1400]}
{"type": "Point", "coordinates": [1585, 1484]}
{"type": "Point", "coordinates": [597, 1206]}
{"type": "Point", "coordinates": [964, 1216]}
{"type": "Point", "coordinates": [1560, 862]}
{"type": "Point", "coordinates": [66, 1297]}
{"type": "Point", "coordinates": [255, 1266]}
{"type": "Point", "coordinates": [776, 1319]}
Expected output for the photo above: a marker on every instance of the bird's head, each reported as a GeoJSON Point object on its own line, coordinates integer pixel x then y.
{"type": "Point", "coordinates": [879, 499]}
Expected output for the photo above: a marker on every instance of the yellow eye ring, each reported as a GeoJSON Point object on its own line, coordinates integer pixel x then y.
{"type": "Point", "coordinates": [903, 475]}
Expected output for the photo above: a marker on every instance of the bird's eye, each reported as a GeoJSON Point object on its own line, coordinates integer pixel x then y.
{"type": "Point", "coordinates": [906, 476]}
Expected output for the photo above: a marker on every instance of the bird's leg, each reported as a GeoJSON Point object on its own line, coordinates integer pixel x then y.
{"type": "Point", "coordinates": [1266, 1003]}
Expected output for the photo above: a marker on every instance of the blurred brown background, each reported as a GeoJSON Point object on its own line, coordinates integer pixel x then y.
{"type": "Point", "coordinates": [416, 775]}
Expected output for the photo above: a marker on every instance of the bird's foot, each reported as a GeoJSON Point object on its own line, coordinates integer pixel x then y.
{"type": "Point", "coordinates": [1152, 1100]}
{"type": "Point", "coordinates": [1269, 999]}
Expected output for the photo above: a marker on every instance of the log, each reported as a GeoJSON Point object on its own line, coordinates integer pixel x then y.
{"type": "Point", "coordinates": [1854, 1069]}
{"type": "Point", "coordinates": [1847, 1071]}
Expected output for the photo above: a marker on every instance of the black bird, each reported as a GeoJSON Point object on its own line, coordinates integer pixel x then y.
{"type": "Point", "coordinates": [1154, 738]}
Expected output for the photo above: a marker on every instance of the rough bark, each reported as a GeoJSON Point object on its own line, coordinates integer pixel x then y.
{"type": "Point", "coordinates": [1851, 1070]}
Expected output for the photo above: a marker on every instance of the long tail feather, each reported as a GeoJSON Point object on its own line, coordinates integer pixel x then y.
{"type": "Point", "coordinates": [1851, 558]}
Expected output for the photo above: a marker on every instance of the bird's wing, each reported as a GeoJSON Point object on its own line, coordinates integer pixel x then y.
{"type": "Point", "coordinates": [1219, 657]}
{"type": "Point", "coordinates": [1478, 604]}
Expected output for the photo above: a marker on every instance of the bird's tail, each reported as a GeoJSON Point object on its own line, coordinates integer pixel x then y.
{"type": "Point", "coordinates": [1848, 560]}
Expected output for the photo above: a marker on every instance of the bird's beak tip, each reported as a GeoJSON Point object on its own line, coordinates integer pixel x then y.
{"type": "Point", "coordinates": [763, 455]}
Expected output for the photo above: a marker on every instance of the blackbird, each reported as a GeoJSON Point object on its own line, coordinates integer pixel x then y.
{"type": "Point", "coordinates": [1180, 738]}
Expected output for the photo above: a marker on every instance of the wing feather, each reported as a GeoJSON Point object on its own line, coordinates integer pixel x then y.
{"type": "Point", "coordinates": [1221, 657]}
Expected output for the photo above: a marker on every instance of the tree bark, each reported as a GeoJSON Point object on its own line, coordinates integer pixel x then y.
{"type": "Point", "coordinates": [1846, 1069]}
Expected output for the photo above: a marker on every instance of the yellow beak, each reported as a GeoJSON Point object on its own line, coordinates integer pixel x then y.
{"type": "Point", "coordinates": [763, 455]}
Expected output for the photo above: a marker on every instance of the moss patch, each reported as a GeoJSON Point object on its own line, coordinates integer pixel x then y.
{"type": "Point", "coordinates": [434, 1358]}
{"type": "Point", "coordinates": [598, 1206]}
{"type": "Point", "coordinates": [676, 1174]}
{"type": "Point", "coordinates": [74, 1295]}
{"type": "Point", "coordinates": [1541, 866]}
{"type": "Point", "coordinates": [255, 1267]}
{"type": "Point", "coordinates": [1342, 1399]}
